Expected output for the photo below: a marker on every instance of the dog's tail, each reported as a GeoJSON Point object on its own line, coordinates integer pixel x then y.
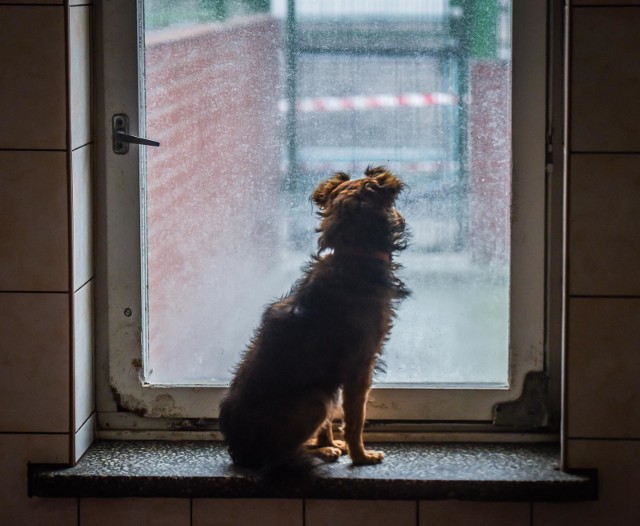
{"type": "Point", "coordinates": [250, 449]}
{"type": "Point", "coordinates": [297, 465]}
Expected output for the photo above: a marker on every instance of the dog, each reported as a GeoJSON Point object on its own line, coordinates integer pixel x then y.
{"type": "Point", "coordinates": [324, 337]}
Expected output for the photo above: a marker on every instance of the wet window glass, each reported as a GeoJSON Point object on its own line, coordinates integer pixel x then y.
{"type": "Point", "coordinates": [255, 101]}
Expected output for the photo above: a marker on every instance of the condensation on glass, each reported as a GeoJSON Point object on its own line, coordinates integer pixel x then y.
{"type": "Point", "coordinates": [254, 102]}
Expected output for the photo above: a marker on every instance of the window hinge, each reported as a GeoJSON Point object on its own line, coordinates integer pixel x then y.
{"type": "Point", "coordinates": [530, 410]}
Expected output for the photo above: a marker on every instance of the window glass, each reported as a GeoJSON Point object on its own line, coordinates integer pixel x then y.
{"type": "Point", "coordinates": [254, 102]}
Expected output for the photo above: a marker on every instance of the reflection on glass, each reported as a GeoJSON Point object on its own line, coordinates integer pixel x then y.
{"type": "Point", "coordinates": [254, 102]}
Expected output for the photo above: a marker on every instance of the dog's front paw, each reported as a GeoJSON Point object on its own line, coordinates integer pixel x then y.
{"type": "Point", "coordinates": [367, 458]}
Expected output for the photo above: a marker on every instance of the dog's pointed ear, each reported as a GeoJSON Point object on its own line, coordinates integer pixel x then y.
{"type": "Point", "coordinates": [387, 183]}
{"type": "Point", "coordinates": [322, 194]}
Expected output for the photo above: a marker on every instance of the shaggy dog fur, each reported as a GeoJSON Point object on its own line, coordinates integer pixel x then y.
{"type": "Point", "coordinates": [324, 336]}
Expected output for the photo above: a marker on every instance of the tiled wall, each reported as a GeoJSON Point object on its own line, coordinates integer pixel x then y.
{"type": "Point", "coordinates": [603, 360]}
{"type": "Point", "coordinates": [46, 286]}
{"type": "Point", "coordinates": [46, 266]}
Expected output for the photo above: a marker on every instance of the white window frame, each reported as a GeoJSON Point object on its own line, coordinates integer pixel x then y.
{"type": "Point", "coordinates": [119, 270]}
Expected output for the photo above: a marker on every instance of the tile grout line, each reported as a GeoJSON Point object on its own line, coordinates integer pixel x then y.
{"type": "Point", "coordinates": [34, 150]}
{"type": "Point", "coordinates": [45, 433]}
{"type": "Point", "coordinates": [34, 292]}
{"type": "Point", "coordinates": [83, 285]}
{"type": "Point", "coordinates": [605, 439]}
{"type": "Point", "coordinates": [605, 296]}
{"type": "Point", "coordinates": [603, 152]}
{"type": "Point", "coordinates": [86, 145]}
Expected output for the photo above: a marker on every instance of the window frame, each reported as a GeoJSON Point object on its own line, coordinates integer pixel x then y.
{"type": "Point", "coordinates": [119, 305]}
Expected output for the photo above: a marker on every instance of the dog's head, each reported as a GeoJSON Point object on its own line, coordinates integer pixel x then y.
{"type": "Point", "coordinates": [359, 214]}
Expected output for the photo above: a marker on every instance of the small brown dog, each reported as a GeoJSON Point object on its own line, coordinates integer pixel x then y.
{"type": "Point", "coordinates": [325, 335]}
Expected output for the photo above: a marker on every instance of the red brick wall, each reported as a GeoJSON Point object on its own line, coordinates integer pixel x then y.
{"type": "Point", "coordinates": [489, 161]}
{"type": "Point", "coordinates": [211, 94]}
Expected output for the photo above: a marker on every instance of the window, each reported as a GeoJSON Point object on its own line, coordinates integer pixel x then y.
{"type": "Point", "coordinates": [253, 103]}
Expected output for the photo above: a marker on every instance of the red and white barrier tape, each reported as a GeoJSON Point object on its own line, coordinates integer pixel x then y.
{"type": "Point", "coordinates": [371, 102]}
{"type": "Point", "coordinates": [431, 167]}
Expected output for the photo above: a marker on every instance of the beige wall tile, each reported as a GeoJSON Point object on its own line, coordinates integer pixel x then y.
{"type": "Point", "coordinates": [33, 221]}
{"type": "Point", "coordinates": [16, 508]}
{"type": "Point", "coordinates": [32, 54]}
{"type": "Point", "coordinates": [605, 73]}
{"type": "Point", "coordinates": [82, 214]}
{"type": "Point", "coordinates": [604, 250]}
{"type": "Point", "coordinates": [360, 513]}
{"type": "Point", "coordinates": [84, 398]}
{"type": "Point", "coordinates": [34, 377]}
{"type": "Point", "coordinates": [238, 512]}
{"type": "Point", "coordinates": [80, 74]}
{"type": "Point", "coordinates": [604, 2]}
{"type": "Point", "coordinates": [604, 367]}
{"type": "Point", "coordinates": [618, 464]}
{"type": "Point", "coordinates": [455, 513]}
{"type": "Point", "coordinates": [134, 512]}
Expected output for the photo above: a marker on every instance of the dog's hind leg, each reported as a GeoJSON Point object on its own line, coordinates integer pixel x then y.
{"type": "Point", "coordinates": [327, 453]}
{"type": "Point", "coordinates": [326, 439]}
{"type": "Point", "coordinates": [324, 446]}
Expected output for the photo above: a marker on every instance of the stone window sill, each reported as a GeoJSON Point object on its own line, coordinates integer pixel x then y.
{"type": "Point", "coordinates": [492, 472]}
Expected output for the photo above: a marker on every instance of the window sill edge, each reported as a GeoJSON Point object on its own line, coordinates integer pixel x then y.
{"type": "Point", "coordinates": [479, 472]}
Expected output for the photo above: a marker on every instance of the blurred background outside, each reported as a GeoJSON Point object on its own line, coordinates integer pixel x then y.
{"type": "Point", "coordinates": [256, 101]}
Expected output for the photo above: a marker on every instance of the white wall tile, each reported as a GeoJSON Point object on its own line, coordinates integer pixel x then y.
{"type": "Point", "coordinates": [16, 508]}
{"type": "Point", "coordinates": [134, 512]}
{"type": "Point", "coordinates": [33, 221]}
{"type": "Point", "coordinates": [603, 386]}
{"type": "Point", "coordinates": [618, 464]}
{"type": "Point", "coordinates": [239, 512]}
{"type": "Point", "coordinates": [82, 216]}
{"type": "Point", "coordinates": [34, 377]}
{"type": "Point", "coordinates": [32, 54]}
{"type": "Point", "coordinates": [456, 513]}
{"type": "Point", "coordinates": [360, 513]}
{"type": "Point", "coordinates": [605, 69]}
{"type": "Point", "coordinates": [84, 398]}
{"type": "Point", "coordinates": [604, 222]}
{"type": "Point", "coordinates": [80, 74]}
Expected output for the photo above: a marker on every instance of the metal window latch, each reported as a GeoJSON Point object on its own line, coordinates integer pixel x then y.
{"type": "Point", "coordinates": [122, 138]}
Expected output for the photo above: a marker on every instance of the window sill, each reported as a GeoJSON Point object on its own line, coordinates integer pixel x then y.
{"type": "Point", "coordinates": [505, 472]}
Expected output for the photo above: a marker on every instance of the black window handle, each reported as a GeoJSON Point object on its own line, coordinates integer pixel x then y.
{"type": "Point", "coordinates": [122, 138]}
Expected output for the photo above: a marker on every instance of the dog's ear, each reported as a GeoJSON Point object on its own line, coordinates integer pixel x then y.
{"type": "Point", "coordinates": [322, 194]}
{"type": "Point", "coordinates": [387, 183]}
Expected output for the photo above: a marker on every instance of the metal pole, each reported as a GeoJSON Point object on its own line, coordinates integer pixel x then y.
{"type": "Point", "coordinates": [291, 58]}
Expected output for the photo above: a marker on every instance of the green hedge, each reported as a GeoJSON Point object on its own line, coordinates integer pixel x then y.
{"type": "Point", "coordinates": [162, 13]}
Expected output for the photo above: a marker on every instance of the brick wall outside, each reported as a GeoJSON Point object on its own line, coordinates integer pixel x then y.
{"type": "Point", "coordinates": [489, 161]}
{"type": "Point", "coordinates": [211, 95]}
